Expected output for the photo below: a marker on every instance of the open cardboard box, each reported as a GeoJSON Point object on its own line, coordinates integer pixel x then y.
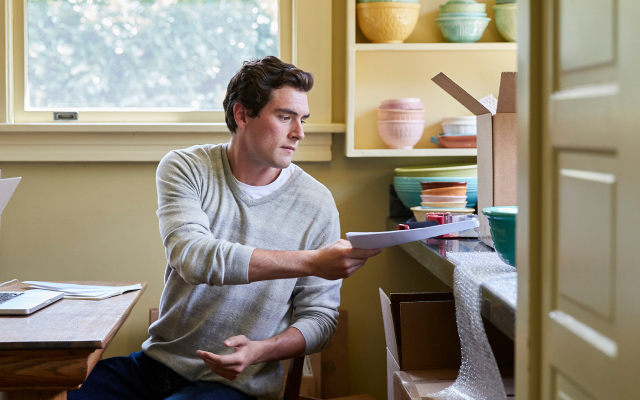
{"type": "Point", "coordinates": [7, 187]}
{"type": "Point", "coordinates": [423, 343]}
{"type": "Point", "coordinates": [497, 146]}
{"type": "Point", "coordinates": [421, 335]}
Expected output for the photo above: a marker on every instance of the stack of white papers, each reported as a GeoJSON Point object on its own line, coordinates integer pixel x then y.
{"type": "Point", "coordinates": [83, 292]}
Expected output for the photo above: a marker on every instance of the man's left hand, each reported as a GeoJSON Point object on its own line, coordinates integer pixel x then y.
{"type": "Point", "coordinates": [229, 366]}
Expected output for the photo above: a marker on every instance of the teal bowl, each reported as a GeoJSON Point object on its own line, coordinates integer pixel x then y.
{"type": "Point", "coordinates": [502, 224]}
{"type": "Point", "coordinates": [462, 29]}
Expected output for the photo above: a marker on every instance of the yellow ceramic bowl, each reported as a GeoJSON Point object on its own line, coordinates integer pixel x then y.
{"type": "Point", "coordinates": [387, 22]}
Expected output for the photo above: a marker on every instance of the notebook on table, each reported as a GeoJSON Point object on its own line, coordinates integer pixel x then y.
{"type": "Point", "coordinates": [27, 302]}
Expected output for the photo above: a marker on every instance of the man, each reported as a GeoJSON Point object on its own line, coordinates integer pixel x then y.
{"type": "Point", "coordinates": [251, 241]}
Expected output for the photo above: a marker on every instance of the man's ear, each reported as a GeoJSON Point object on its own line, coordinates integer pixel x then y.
{"type": "Point", "coordinates": [240, 113]}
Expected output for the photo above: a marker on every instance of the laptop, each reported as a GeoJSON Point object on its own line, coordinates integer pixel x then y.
{"type": "Point", "coordinates": [27, 302]}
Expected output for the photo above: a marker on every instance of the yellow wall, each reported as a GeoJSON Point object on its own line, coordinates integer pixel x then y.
{"type": "Point", "coordinates": [96, 221]}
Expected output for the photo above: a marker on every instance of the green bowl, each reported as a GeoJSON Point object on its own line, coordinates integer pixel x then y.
{"type": "Point", "coordinates": [457, 6]}
{"type": "Point", "coordinates": [386, 1]}
{"type": "Point", "coordinates": [462, 29]}
{"type": "Point", "coordinates": [506, 16]}
{"type": "Point", "coordinates": [502, 224]}
{"type": "Point", "coordinates": [440, 170]}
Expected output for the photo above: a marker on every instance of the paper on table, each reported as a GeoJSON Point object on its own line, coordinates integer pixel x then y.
{"type": "Point", "coordinates": [375, 240]}
{"type": "Point", "coordinates": [83, 292]}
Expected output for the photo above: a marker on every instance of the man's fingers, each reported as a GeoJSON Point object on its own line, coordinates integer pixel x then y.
{"type": "Point", "coordinates": [366, 253]}
{"type": "Point", "coordinates": [236, 341]}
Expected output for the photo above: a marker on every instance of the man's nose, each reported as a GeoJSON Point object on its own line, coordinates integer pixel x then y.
{"type": "Point", "coordinates": [298, 131]}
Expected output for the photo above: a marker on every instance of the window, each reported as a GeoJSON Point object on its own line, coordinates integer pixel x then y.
{"type": "Point", "coordinates": [162, 103]}
{"type": "Point", "coordinates": [137, 60]}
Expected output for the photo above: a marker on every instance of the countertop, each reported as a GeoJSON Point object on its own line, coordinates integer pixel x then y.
{"type": "Point", "coordinates": [431, 253]}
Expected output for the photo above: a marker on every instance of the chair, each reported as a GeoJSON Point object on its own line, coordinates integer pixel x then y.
{"type": "Point", "coordinates": [294, 377]}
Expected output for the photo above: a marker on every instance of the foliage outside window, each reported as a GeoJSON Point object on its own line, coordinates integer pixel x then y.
{"type": "Point", "coordinates": [145, 54]}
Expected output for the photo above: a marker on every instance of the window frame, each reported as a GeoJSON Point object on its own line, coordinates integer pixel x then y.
{"type": "Point", "coordinates": [134, 140]}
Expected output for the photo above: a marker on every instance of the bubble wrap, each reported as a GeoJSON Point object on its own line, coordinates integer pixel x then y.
{"type": "Point", "coordinates": [478, 377]}
{"type": "Point", "coordinates": [490, 103]}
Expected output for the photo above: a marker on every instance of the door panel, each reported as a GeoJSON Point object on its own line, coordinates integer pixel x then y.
{"type": "Point", "coordinates": [586, 231]}
{"type": "Point", "coordinates": [588, 320]}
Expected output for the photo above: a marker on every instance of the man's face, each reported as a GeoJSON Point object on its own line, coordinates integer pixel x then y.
{"type": "Point", "coordinates": [271, 138]}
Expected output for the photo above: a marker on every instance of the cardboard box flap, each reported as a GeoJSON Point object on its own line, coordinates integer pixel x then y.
{"type": "Point", "coordinates": [389, 331]}
{"type": "Point", "coordinates": [429, 335]}
{"type": "Point", "coordinates": [507, 95]}
{"type": "Point", "coordinates": [460, 94]}
{"type": "Point", "coordinates": [398, 298]}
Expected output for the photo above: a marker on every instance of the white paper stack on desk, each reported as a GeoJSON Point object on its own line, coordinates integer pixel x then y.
{"type": "Point", "coordinates": [83, 292]}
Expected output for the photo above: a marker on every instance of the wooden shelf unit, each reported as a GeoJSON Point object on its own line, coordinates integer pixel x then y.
{"type": "Point", "coordinates": [377, 72]}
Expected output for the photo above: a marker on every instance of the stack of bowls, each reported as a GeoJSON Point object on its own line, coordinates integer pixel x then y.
{"type": "Point", "coordinates": [458, 132]}
{"type": "Point", "coordinates": [408, 184]}
{"type": "Point", "coordinates": [463, 21]}
{"type": "Point", "coordinates": [448, 194]}
{"type": "Point", "coordinates": [506, 12]}
{"type": "Point", "coordinates": [401, 122]}
{"type": "Point", "coordinates": [387, 21]}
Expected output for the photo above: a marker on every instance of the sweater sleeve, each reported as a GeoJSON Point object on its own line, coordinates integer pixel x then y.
{"type": "Point", "coordinates": [316, 300]}
{"type": "Point", "coordinates": [190, 247]}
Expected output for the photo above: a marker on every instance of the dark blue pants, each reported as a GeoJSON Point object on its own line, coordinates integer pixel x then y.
{"type": "Point", "coordinates": [140, 377]}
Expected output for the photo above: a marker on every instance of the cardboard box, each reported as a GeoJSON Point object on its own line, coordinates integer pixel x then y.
{"type": "Point", "coordinates": [7, 187]}
{"type": "Point", "coordinates": [497, 146]}
{"type": "Point", "coordinates": [421, 334]}
{"type": "Point", "coordinates": [411, 385]}
{"type": "Point", "coordinates": [335, 361]}
{"type": "Point", "coordinates": [423, 343]}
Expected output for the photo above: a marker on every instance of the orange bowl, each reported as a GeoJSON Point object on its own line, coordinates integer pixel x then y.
{"type": "Point", "coordinates": [446, 191]}
{"type": "Point", "coordinates": [433, 185]}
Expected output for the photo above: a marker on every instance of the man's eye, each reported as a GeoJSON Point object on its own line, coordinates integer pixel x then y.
{"type": "Point", "coordinates": [285, 117]}
{"type": "Point", "coordinates": [304, 121]}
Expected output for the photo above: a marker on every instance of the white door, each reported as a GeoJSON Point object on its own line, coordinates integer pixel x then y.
{"type": "Point", "coordinates": [583, 293]}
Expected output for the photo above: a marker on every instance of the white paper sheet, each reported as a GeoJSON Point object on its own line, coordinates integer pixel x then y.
{"type": "Point", "coordinates": [7, 187]}
{"type": "Point", "coordinates": [83, 292]}
{"type": "Point", "coordinates": [375, 240]}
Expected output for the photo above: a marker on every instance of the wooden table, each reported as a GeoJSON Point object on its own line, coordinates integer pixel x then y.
{"type": "Point", "coordinates": [53, 350]}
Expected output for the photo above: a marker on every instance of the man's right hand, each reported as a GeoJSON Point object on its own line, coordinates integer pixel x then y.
{"type": "Point", "coordinates": [339, 260]}
{"type": "Point", "coordinates": [336, 261]}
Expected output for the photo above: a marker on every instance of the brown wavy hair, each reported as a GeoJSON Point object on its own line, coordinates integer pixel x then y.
{"type": "Point", "coordinates": [254, 83]}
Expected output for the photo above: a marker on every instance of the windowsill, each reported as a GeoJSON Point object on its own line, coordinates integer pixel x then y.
{"type": "Point", "coordinates": [132, 142]}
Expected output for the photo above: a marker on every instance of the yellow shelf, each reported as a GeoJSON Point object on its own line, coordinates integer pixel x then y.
{"type": "Point", "coordinates": [484, 46]}
{"type": "Point", "coordinates": [413, 152]}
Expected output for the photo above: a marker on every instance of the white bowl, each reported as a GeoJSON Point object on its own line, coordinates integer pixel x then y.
{"type": "Point", "coordinates": [449, 129]}
{"type": "Point", "coordinates": [457, 120]}
{"type": "Point", "coordinates": [390, 114]}
{"type": "Point", "coordinates": [435, 198]}
{"type": "Point", "coordinates": [401, 134]}
{"type": "Point", "coordinates": [444, 204]}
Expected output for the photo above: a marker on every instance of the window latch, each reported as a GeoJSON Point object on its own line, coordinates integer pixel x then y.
{"type": "Point", "coordinates": [65, 116]}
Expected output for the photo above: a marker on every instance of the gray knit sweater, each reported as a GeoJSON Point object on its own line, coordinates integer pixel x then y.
{"type": "Point", "coordinates": [209, 228]}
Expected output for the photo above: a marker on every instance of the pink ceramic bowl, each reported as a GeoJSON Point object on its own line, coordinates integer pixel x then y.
{"type": "Point", "coordinates": [402, 104]}
{"type": "Point", "coordinates": [389, 114]}
{"type": "Point", "coordinates": [401, 134]}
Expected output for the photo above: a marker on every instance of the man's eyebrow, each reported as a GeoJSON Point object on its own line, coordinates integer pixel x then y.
{"type": "Point", "coordinates": [289, 111]}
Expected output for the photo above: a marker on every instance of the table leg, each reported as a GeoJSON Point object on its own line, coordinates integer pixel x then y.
{"type": "Point", "coordinates": [36, 395]}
